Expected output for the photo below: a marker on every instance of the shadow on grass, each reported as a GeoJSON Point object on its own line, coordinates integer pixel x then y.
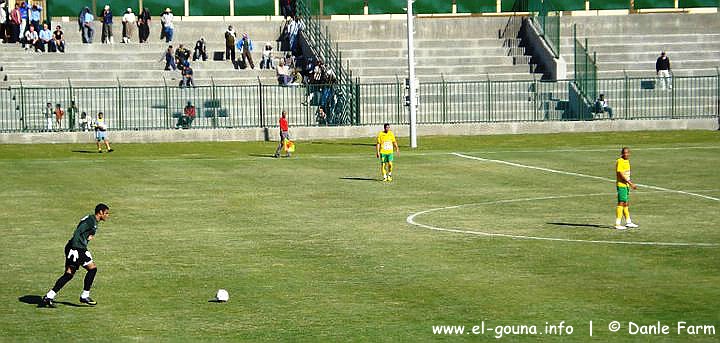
{"type": "Point", "coordinates": [262, 155]}
{"type": "Point", "coordinates": [353, 178]}
{"type": "Point", "coordinates": [344, 143]}
{"type": "Point", "coordinates": [85, 151]}
{"type": "Point", "coordinates": [597, 226]}
{"type": "Point", "coordinates": [37, 300]}
{"type": "Point", "coordinates": [216, 301]}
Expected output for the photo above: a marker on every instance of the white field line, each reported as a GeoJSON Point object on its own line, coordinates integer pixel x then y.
{"type": "Point", "coordinates": [580, 175]}
{"type": "Point", "coordinates": [411, 220]}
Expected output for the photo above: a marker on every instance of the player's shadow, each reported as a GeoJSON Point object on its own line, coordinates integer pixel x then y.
{"type": "Point", "coordinates": [344, 143]}
{"type": "Point", "coordinates": [355, 178]}
{"type": "Point", "coordinates": [596, 226]}
{"type": "Point", "coordinates": [37, 300]}
{"type": "Point", "coordinates": [85, 151]}
{"type": "Point", "coordinates": [262, 155]}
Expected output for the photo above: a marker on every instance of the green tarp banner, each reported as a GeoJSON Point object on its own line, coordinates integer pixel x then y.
{"type": "Point", "coordinates": [609, 4]}
{"type": "Point", "coordinates": [569, 5]}
{"type": "Point", "coordinates": [476, 6]}
{"type": "Point", "coordinates": [698, 3]}
{"type": "Point", "coordinates": [253, 7]}
{"type": "Point", "coordinates": [343, 7]}
{"type": "Point", "coordinates": [210, 7]}
{"type": "Point", "coordinates": [641, 4]}
{"type": "Point", "coordinates": [157, 7]}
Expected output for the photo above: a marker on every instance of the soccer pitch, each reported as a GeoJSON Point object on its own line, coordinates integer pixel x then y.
{"type": "Point", "coordinates": [509, 232]}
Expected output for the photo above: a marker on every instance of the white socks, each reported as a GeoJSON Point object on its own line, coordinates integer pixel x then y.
{"type": "Point", "coordinates": [50, 294]}
{"type": "Point", "coordinates": [85, 294]}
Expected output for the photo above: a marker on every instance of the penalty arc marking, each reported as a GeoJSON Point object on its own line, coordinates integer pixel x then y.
{"type": "Point", "coordinates": [411, 220]}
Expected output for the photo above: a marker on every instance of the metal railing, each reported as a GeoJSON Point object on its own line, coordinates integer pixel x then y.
{"type": "Point", "coordinates": [22, 109]}
{"type": "Point", "coordinates": [322, 46]}
{"type": "Point", "coordinates": [547, 19]}
{"type": "Point", "coordinates": [585, 68]}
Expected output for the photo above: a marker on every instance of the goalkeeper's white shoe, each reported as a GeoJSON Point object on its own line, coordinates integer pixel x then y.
{"type": "Point", "coordinates": [631, 225]}
{"type": "Point", "coordinates": [620, 227]}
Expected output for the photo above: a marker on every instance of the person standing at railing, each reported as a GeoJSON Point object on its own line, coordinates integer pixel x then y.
{"type": "Point", "coordinates": [49, 113]}
{"type": "Point", "coordinates": [59, 114]}
{"type": "Point", "coordinates": [662, 69]}
{"type": "Point", "coordinates": [72, 113]}
{"type": "Point", "coordinates": [101, 128]}
{"type": "Point", "coordinates": [87, 24]}
{"type": "Point", "coordinates": [107, 21]}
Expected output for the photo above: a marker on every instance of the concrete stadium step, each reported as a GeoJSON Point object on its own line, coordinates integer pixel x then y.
{"type": "Point", "coordinates": [449, 71]}
{"type": "Point", "coordinates": [670, 37]}
{"type": "Point", "coordinates": [493, 51]}
{"type": "Point", "coordinates": [402, 74]}
{"type": "Point", "coordinates": [421, 44]}
{"type": "Point", "coordinates": [425, 28]}
{"type": "Point", "coordinates": [645, 48]}
{"type": "Point", "coordinates": [431, 61]}
{"type": "Point", "coordinates": [649, 23]}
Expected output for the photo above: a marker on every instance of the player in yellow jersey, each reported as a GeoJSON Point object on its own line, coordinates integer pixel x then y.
{"type": "Point", "coordinates": [384, 148]}
{"type": "Point", "coordinates": [622, 173]}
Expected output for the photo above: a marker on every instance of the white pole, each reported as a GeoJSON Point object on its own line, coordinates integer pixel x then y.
{"type": "Point", "coordinates": [411, 76]}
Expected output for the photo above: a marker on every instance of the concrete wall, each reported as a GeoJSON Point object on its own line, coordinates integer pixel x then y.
{"type": "Point", "coordinates": [315, 133]}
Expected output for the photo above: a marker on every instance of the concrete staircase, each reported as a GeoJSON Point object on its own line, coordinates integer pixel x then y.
{"type": "Point", "coordinates": [453, 49]}
{"type": "Point", "coordinates": [629, 45]}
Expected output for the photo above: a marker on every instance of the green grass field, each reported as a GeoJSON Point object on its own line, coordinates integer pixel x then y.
{"type": "Point", "coordinates": [315, 249]}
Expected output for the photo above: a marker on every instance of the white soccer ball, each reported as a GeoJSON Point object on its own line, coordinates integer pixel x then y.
{"type": "Point", "coordinates": [222, 295]}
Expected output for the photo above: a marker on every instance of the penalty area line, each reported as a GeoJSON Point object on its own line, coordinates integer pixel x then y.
{"type": "Point", "coordinates": [513, 164]}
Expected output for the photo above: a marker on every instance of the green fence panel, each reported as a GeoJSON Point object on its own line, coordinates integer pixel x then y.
{"type": "Point", "coordinates": [157, 7]}
{"type": "Point", "coordinates": [432, 6]}
{"type": "Point", "coordinates": [386, 6]}
{"type": "Point", "coordinates": [698, 3]}
{"type": "Point", "coordinates": [641, 4]}
{"type": "Point", "coordinates": [569, 5]}
{"type": "Point", "coordinates": [254, 7]}
{"type": "Point", "coordinates": [67, 8]}
{"type": "Point", "coordinates": [514, 5]}
{"type": "Point", "coordinates": [476, 6]}
{"type": "Point", "coordinates": [343, 7]}
{"type": "Point", "coordinates": [210, 7]}
{"type": "Point", "coordinates": [609, 4]}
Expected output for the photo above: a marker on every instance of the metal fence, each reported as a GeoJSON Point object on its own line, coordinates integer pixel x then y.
{"type": "Point", "coordinates": [22, 109]}
{"type": "Point", "coordinates": [585, 68]}
{"type": "Point", "coordinates": [547, 17]}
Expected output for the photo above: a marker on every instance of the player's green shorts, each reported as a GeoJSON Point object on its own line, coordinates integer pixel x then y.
{"type": "Point", "coordinates": [384, 158]}
{"type": "Point", "coordinates": [623, 194]}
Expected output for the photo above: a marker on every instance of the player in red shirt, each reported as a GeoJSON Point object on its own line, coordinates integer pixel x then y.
{"type": "Point", "coordinates": [284, 135]}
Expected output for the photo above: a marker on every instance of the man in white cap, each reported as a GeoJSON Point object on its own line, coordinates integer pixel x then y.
{"type": "Point", "coordinates": [167, 25]}
{"type": "Point", "coordinates": [129, 21]}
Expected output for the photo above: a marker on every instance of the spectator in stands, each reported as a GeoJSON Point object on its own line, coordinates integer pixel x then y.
{"type": "Point", "coordinates": [57, 44]}
{"type": "Point", "coordinates": [295, 27]}
{"type": "Point", "coordinates": [200, 50]}
{"type": "Point", "coordinates": [45, 38]}
{"type": "Point", "coordinates": [283, 74]}
{"type": "Point", "coordinates": [230, 37]}
{"type": "Point", "coordinates": [14, 23]}
{"type": "Point", "coordinates": [144, 25]}
{"type": "Point", "coordinates": [169, 59]}
{"type": "Point", "coordinates": [59, 114]}
{"type": "Point", "coordinates": [3, 22]}
{"type": "Point", "coordinates": [297, 78]}
{"type": "Point", "coordinates": [31, 39]}
{"type": "Point", "coordinates": [187, 117]}
{"type": "Point", "coordinates": [107, 21]}
{"type": "Point", "coordinates": [129, 22]}
{"type": "Point", "coordinates": [287, 8]}
{"type": "Point", "coordinates": [267, 60]}
{"type": "Point", "coordinates": [87, 25]}
{"type": "Point", "coordinates": [246, 47]}
{"type": "Point", "coordinates": [662, 69]}
{"type": "Point", "coordinates": [289, 60]}
{"type": "Point", "coordinates": [182, 55]}
{"type": "Point", "coordinates": [49, 114]}
{"type": "Point", "coordinates": [321, 116]}
{"type": "Point", "coordinates": [72, 112]}
{"type": "Point", "coordinates": [601, 106]}
{"type": "Point", "coordinates": [167, 23]}
{"type": "Point", "coordinates": [316, 80]}
{"type": "Point", "coordinates": [84, 122]}
{"type": "Point", "coordinates": [24, 17]}
{"type": "Point", "coordinates": [34, 15]}
{"type": "Point", "coordinates": [187, 76]}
